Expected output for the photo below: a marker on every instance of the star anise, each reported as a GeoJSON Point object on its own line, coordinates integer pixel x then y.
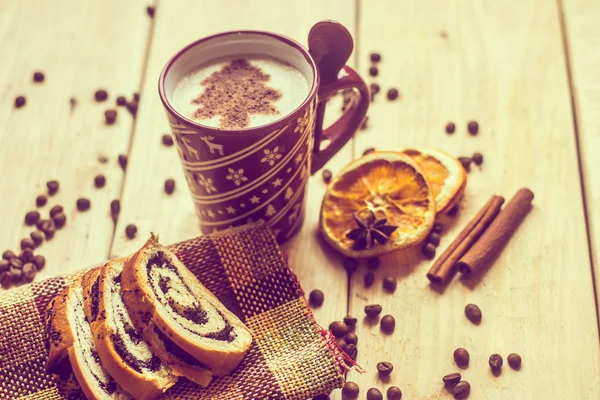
{"type": "Point", "coordinates": [369, 231]}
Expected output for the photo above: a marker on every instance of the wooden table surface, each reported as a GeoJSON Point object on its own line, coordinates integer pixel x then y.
{"type": "Point", "coordinates": [527, 70]}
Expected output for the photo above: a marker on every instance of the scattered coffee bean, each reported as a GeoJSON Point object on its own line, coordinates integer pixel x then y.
{"type": "Point", "coordinates": [115, 207]}
{"type": "Point", "coordinates": [53, 187]}
{"type": "Point", "coordinates": [83, 204]}
{"type": "Point", "coordinates": [384, 368]}
{"type": "Point", "coordinates": [59, 220]}
{"type": "Point", "coordinates": [451, 379]}
{"type": "Point", "coordinates": [465, 162]}
{"type": "Point", "coordinates": [16, 274]}
{"type": "Point", "coordinates": [437, 228]}
{"type": "Point", "coordinates": [123, 161]}
{"type": "Point", "coordinates": [477, 158]}
{"type": "Point", "coordinates": [374, 88]}
{"type": "Point", "coordinates": [450, 128]}
{"type": "Point", "coordinates": [8, 254]}
{"type": "Point", "coordinates": [373, 310]}
{"type": "Point", "coordinates": [389, 284]}
{"type": "Point", "coordinates": [428, 250]}
{"type": "Point", "coordinates": [461, 357]}
{"type": "Point", "coordinates": [27, 243]}
{"type": "Point", "coordinates": [167, 140]}
{"type": "Point", "coordinates": [130, 231]}
{"type": "Point", "coordinates": [150, 11]}
{"type": "Point", "coordinates": [350, 321]}
{"type": "Point", "coordinates": [48, 227]}
{"type": "Point", "coordinates": [368, 279]}
{"type": "Point", "coordinates": [41, 200]}
{"type": "Point", "coordinates": [20, 101]}
{"type": "Point", "coordinates": [132, 107]}
{"type": "Point", "coordinates": [473, 127]}
{"type": "Point", "coordinates": [351, 350]}
{"type": "Point", "coordinates": [392, 94]}
{"type": "Point", "coordinates": [473, 313]}
{"type": "Point", "coordinates": [5, 279]}
{"type": "Point", "coordinates": [514, 361]}
{"type": "Point", "coordinates": [31, 218]}
{"type": "Point", "coordinates": [102, 159]}
{"type": "Point", "coordinates": [136, 97]}
{"type": "Point", "coordinates": [57, 209]}
{"type": "Point", "coordinates": [338, 328]}
{"type": "Point", "coordinates": [340, 342]}
{"type": "Point", "coordinates": [99, 181]}
{"type": "Point", "coordinates": [375, 57]}
{"type": "Point", "coordinates": [37, 237]}
{"type": "Point", "coordinates": [38, 76]}
{"type": "Point", "coordinates": [434, 238]}
{"type": "Point", "coordinates": [16, 262]}
{"type": "Point", "coordinates": [121, 101]}
{"type": "Point", "coordinates": [350, 264]}
{"type": "Point", "coordinates": [495, 361]}
{"type": "Point", "coordinates": [350, 389]}
{"type": "Point", "coordinates": [39, 262]}
{"type": "Point", "coordinates": [169, 186]}
{"type": "Point", "coordinates": [461, 390]}
{"type": "Point", "coordinates": [368, 150]}
{"type": "Point", "coordinates": [394, 393]}
{"type": "Point", "coordinates": [322, 396]}
{"type": "Point", "coordinates": [374, 394]}
{"type": "Point", "coordinates": [4, 264]}
{"type": "Point", "coordinates": [388, 324]}
{"type": "Point", "coordinates": [327, 175]}
{"type": "Point", "coordinates": [101, 95]}
{"type": "Point", "coordinates": [316, 298]}
{"type": "Point", "coordinates": [373, 71]}
{"type": "Point", "coordinates": [29, 271]}
{"type": "Point", "coordinates": [27, 255]}
{"type": "Point", "coordinates": [110, 116]}
{"type": "Point", "coordinates": [351, 338]}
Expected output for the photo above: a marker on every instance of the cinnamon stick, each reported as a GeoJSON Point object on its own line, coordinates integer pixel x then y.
{"type": "Point", "coordinates": [495, 237]}
{"type": "Point", "coordinates": [444, 266]}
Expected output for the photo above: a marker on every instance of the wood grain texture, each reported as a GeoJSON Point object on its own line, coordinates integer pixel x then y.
{"type": "Point", "coordinates": [583, 41]}
{"type": "Point", "coordinates": [503, 65]}
{"type": "Point", "coordinates": [80, 46]}
{"type": "Point", "coordinates": [173, 217]}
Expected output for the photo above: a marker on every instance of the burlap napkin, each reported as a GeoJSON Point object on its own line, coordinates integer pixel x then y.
{"type": "Point", "coordinates": [290, 358]}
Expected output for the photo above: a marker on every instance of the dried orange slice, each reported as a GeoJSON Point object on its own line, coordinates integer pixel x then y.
{"type": "Point", "coordinates": [446, 177]}
{"type": "Point", "coordinates": [377, 204]}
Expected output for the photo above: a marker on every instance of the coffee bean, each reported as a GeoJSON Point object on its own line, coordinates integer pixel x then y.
{"type": "Point", "coordinates": [514, 361]}
{"type": "Point", "coordinates": [341, 342]}
{"type": "Point", "coordinates": [57, 209]}
{"type": "Point", "coordinates": [121, 101]}
{"type": "Point", "coordinates": [394, 393]}
{"type": "Point", "coordinates": [37, 237]}
{"type": "Point", "coordinates": [110, 116]}
{"type": "Point", "coordinates": [8, 254]}
{"type": "Point", "coordinates": [132, 107]}
{"type": "Point", "coordinates": [115, 207]}
{"type": "Point", "coordinates": [29, 271]}
{"type": "Point", "coordinates": [451, 379]}
{"type": "Point", "coordinates": [83, 204]}
{"type": "Point", "coordinates": [373, 310]}
{"type": "Point", "coordinates": [5, 279]}
{"type": "Point", "coordinates": [450, 128]}
{"type": "Point", "coordinates": [16, 274]}
{"type": "Point", "coordinates": [316, 298]}
{"type": "Point", "coordinates": [48, 228]}
{"type": "Point", "coordinates": [326, 175]}
{"type": "Point", "coordinates": [461, 390]}
{"type": "Point", "coordinates": [495, 361]}
{"type": "Point", "coordinates": [351, 350]}
{"type": "Point", "coordinates": [99, 181]}
{"type": "Point", "coordinates": [27, 255]}
{"type": "Point", "coordinates": [53, 187]}
{"type": "Point", "coordinates": [338, 328]}
{"type": "Point", "coordinates": [31, 218]}
{"type": "Point", "coordinates": [39, 262]}
{"type": "Point", "coordinates": [373, 71]}
{"type": "Point", "coordinates": [38, 76]}
{"type": "Point", "coordinates": [350, 390]}
{"type": "Point", "coordinates": [4, 264]}
{"type": "Point", "coordinates": [167, 140]}
{"type": "Point", "coordinates": [375, 57]}
{"type": "Point", "coordinates": [374, 394]}
{"type": "Point", "coordinates": [388, 324]}
{"type": "Point", "coordinates": [41, 200]}
{"type": "Point", "coordinates": [473, 127]}
{"type": "Point", "coordinates": [27, 243]}
{"type": "Point", "coordinates": [428, 250]}
{"type": "Point", "coordinates": [392, 94]}
{"type": "Point", "coordinates": [59, 220]}
{"type": "Point", "coordinates": [473, 313]}
{"type": "Point", "coordinates": [368, 150]}
{"type": "Point", "coordinates": [322, 396]}
{"type": "Point", "coordinates": [123, 161]}
{"type": "Point", "coordinates": [169, 186]}
{"type": "Point", "coordinates": [389, 284]}
{"type": "Point", "coordinates": [373, 263]}
{"type": "Point", "coordinates": [150, 11]}
{"type": "Point", "coordinates": [466, 163]}
{"type": "Point", "coordinates": [136, 97]}
{"type": "Point", "coordinates": [130, 231]}
{"type": "Point", "coordinates": [434, 238]}
{"type": "Point", "coordinates": [477, 158]}
{"type": "Point", "coordinates": [16, 262]}
{"type": "Point", "coordinates": [350, 265]}
{"type": "Point", "coordinates": [461, 357]}
{"type": "Point", "coordinates": [384, 368]}
{"type": "Point", "coordinates": [351, 338]}
{"type": "Point", "coordinates": [20, 101]}
{"type": "Point", "coordinates": [374, 88]}
{"type": "Point", "coordinates": [437, 228]}
{"type": "Point", "coordinates": [101, 95]}
{"type": "Point", "coordinates": [350, 321]}
{"type": "Point", "coordinates": [368, 279]}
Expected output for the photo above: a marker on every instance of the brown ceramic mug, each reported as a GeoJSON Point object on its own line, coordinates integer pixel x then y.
{"type": "Point", "coordinates": [252, 174]}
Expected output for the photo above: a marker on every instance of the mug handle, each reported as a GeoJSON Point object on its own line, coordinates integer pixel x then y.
{"type": "Point", "coordinates": [338, 134]}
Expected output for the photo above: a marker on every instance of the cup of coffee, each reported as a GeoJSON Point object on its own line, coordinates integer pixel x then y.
{"type": "Point", "coordinates": [246, 110]}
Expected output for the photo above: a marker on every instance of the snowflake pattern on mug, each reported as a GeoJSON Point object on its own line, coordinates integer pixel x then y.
{"type": "Point", "coordinates": [271, 156]}
{"type": "Point", "coordinates": [206, 183]}
{"type": "Point", "coordinates": [305, 121]}
{"type": "Point", "coordinates": [236, 176]}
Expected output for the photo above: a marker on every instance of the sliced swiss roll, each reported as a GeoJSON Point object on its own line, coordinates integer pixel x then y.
{"type": "Point", "coordinates": [121, 347]}
{"type": "Point", "coordinates": [69, 321]}
{"type": "Point", "coordinates": [170, 303]}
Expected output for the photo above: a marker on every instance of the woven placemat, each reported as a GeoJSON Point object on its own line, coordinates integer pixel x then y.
{"type": "Point", "coordinates": [290, 358]}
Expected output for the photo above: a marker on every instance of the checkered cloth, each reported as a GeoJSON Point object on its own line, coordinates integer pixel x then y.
{"type": "Point", "coordinates": [290, 358]}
